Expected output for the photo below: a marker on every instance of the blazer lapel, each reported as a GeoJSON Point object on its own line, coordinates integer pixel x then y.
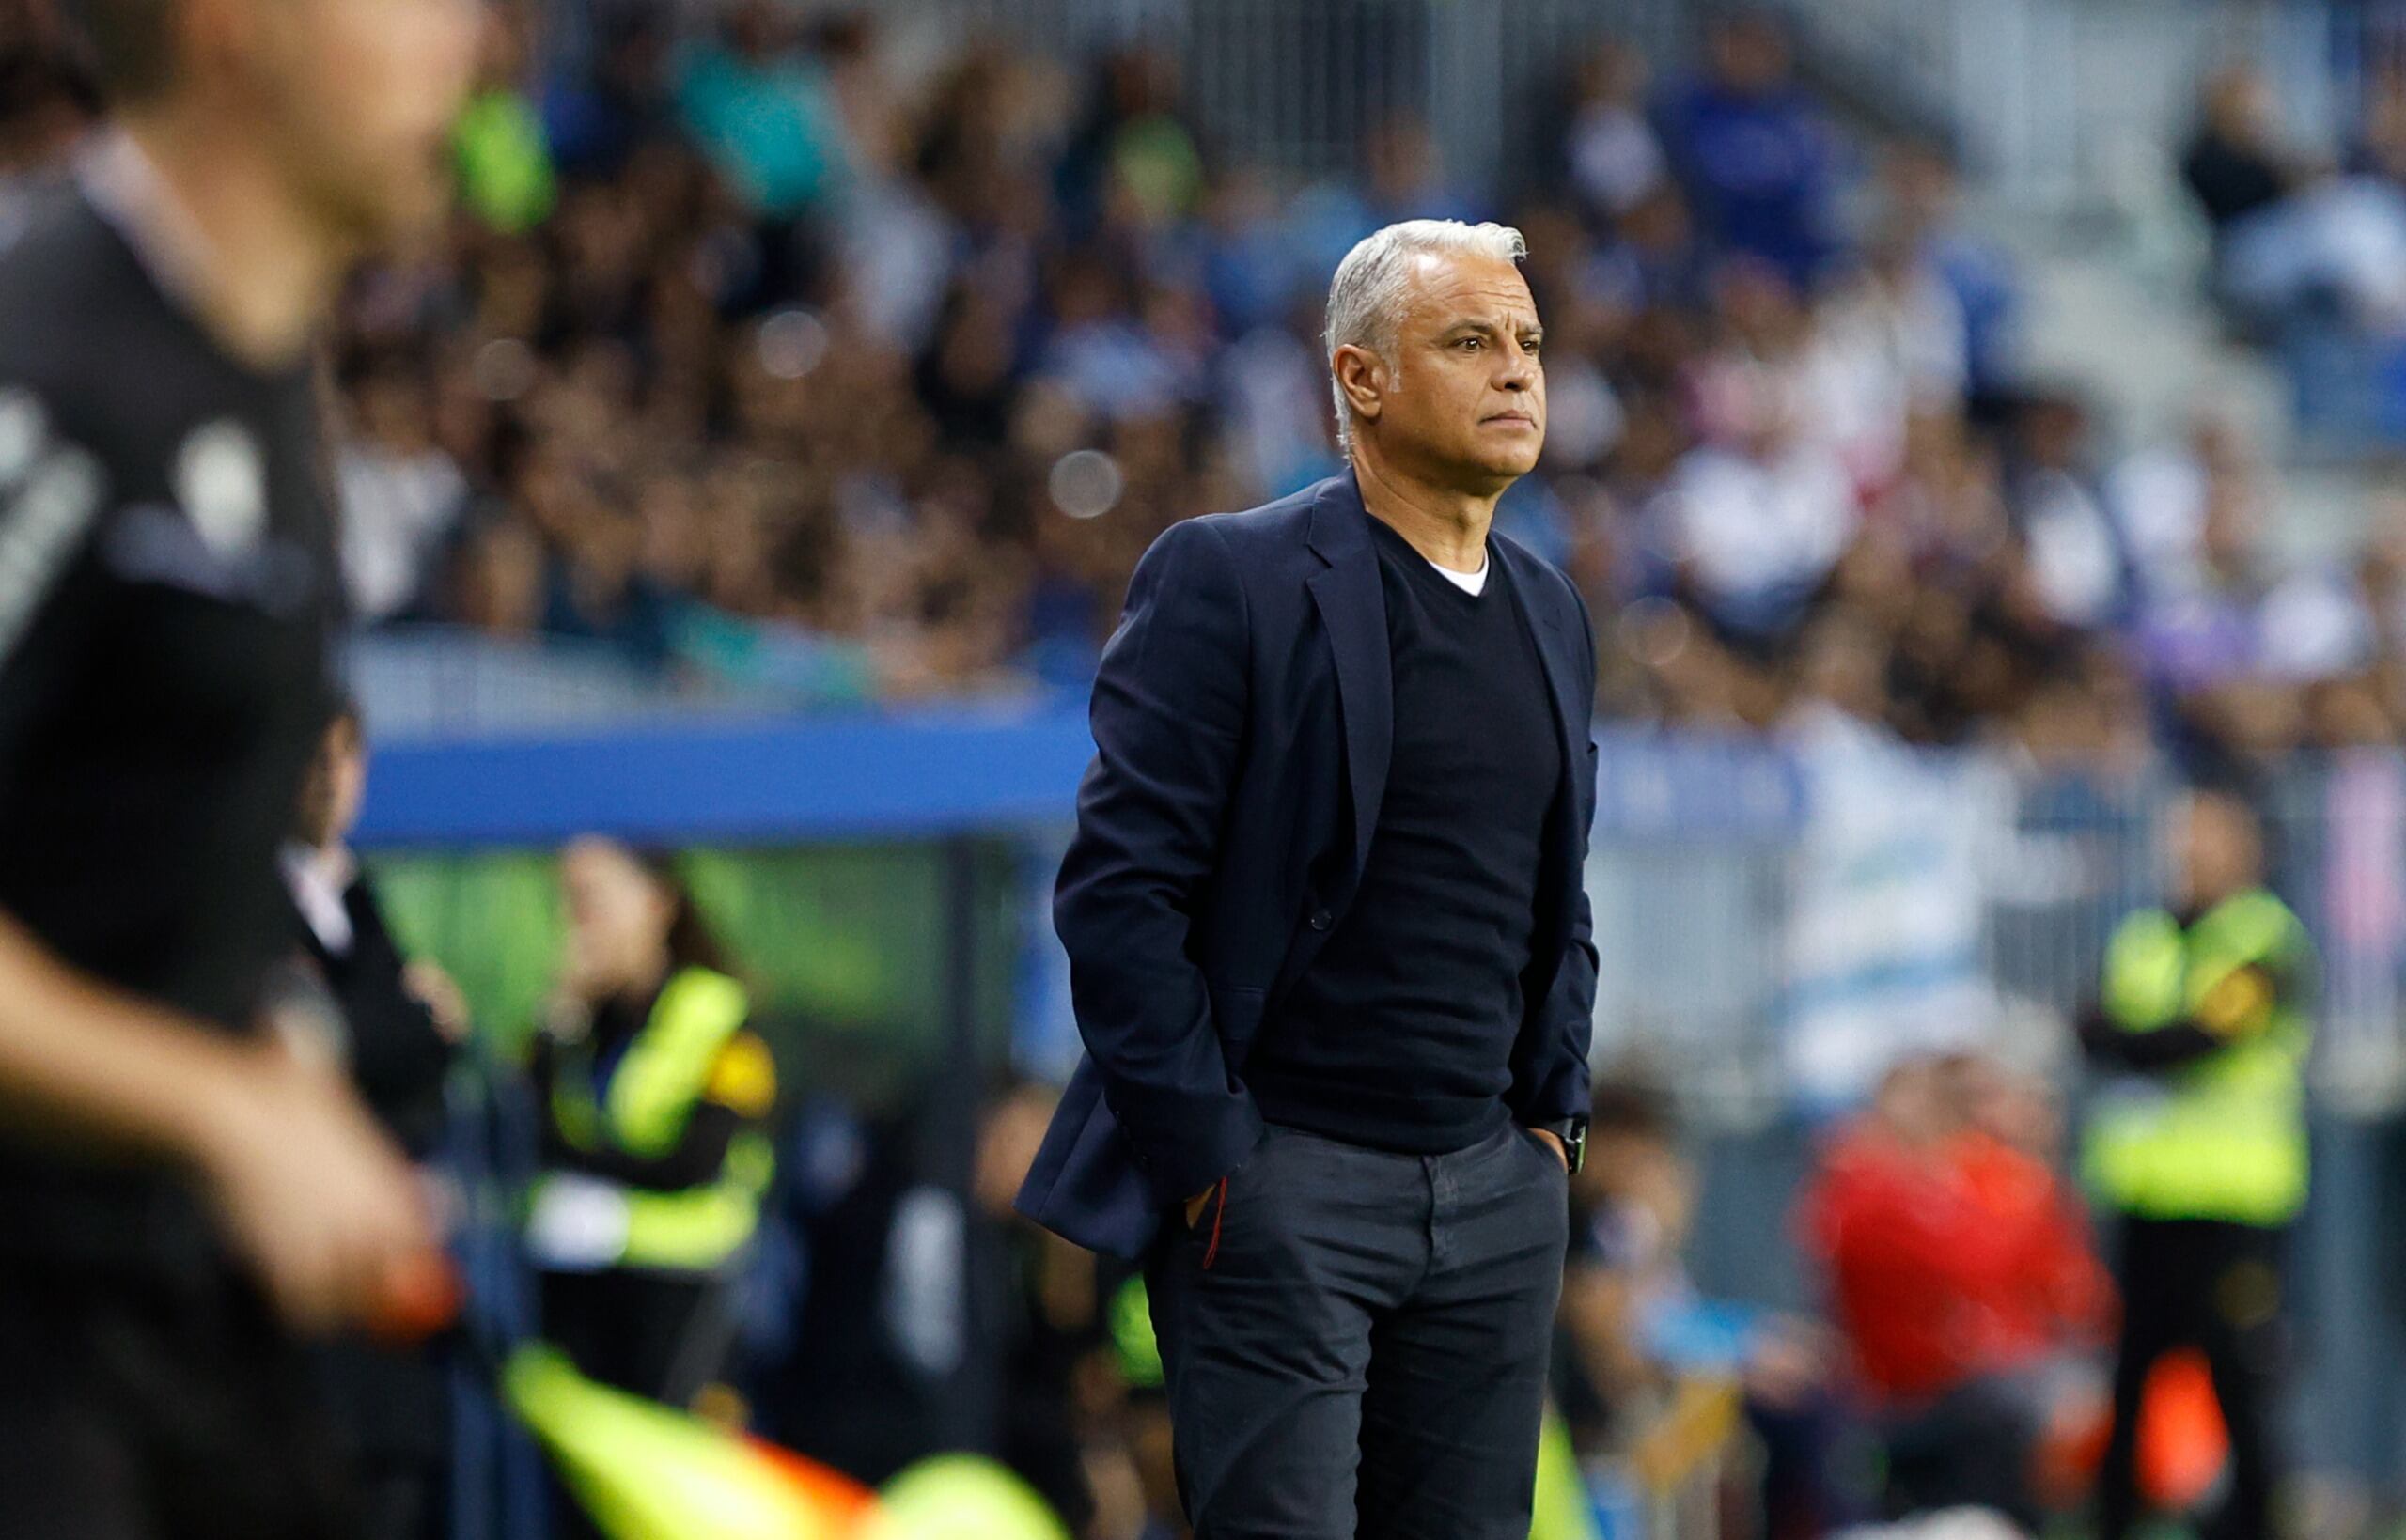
{"type": "Point", "coordinates": [1555, 651]}
{"type": "Point", "coordinates": [1353, 607]}
{"type": "Point", "coordinates": [1546, 635]}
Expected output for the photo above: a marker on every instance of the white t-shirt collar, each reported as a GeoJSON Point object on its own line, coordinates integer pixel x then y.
{"type": "Point", "coordinates": [1473, 583]}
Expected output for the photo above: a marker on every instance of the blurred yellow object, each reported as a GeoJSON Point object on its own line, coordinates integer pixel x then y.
{"type": "Point", "coordinates": [2221, 1137]}
{"type": "Point", "coordinates": [960, 1497]}
{"type": "Point", "coordinates": [1563, 1510]}
{"type": "Point", "coordinates": [744, 1078]}
{"type": "Point", "coordinates": [643, 1471]}
{"type": "Point", "coordinates": [2240, 1003]}
{"type": "Point", "coordinates": [1702, 1417]}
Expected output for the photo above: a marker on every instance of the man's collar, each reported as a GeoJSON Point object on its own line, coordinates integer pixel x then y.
{"type": "Point", "coordinates": [332, 866]}
{"type": "Point", "coordinates": [124, 185]}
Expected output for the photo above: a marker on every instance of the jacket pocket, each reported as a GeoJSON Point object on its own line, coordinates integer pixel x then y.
{"type": "Point", "coordinates": [1236, 1016]}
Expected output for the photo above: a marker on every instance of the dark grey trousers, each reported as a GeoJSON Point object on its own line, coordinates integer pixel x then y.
{"type": "Point", "coordinates": [1365, 1354]}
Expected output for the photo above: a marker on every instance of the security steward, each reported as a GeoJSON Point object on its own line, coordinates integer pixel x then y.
{"type": "Point", "coordinates": [655, 1097]}
{"type": "Point", "coordinates": [2198, 1142]}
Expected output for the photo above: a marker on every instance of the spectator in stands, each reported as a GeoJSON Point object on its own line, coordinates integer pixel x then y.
{"type": "Point", "coordinates": [1890, 342]}
{"type": "Point", "coordinates": [505, 175]}
{"type": "Point", "coordinates": [2368, 706]}
{"type": "Point", "coordinates": [1614, 155]}
{"type": "Point", "coordinates": [2230, 655]}
{"type": "Point", "coordinates": [1132, 144]}
{"type": "Point", "coordinates": [1959, 1274]}
{"type": "Point", "coordinates": [401, 493]}
{"type": "Point", "coordinates": [498, 579]}
{"type": "Point", "coordinates": [1757, 525]}
{"type": "Point", "coordinates": [2235, 164]}
{"type": "Point", "coordinates": [1654, 257]}
{"type": "Point", "coordinates": [1752, 150]}
{"type": "Point", "coordinates": [2159, 494]}
{"type": "Point", "coordinates": [2075, 563]}
{"type": "Point", "coordinates": [2306, 251]}
{"type": "Point", "coordinates": [1918, 184]}
{"type": "Point", "coordinates": [595, 122]}
{"type": "Point", "coordinates": [1636, 1329]}
{"type": "Point", "coordinates": [759, 106]}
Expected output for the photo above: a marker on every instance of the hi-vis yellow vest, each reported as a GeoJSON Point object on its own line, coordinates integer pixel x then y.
{"type": "Point", "coordinates": [651, 1093]}
{"type": "Point", "coordinates": [2224, 1137]}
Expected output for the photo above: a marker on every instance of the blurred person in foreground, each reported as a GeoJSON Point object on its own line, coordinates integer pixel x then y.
{"type": "Point", "coordinates": [401, 1022]}
{"type": "Point", "coordinates": [1960, 1271]}
{"type": "Point", "coordinates": [185, 1190]}
{"type": "Point", "coordinates": [654, 1096]}
{"type": "Point", "coordinates": [2198, 1143]}
{"type": "Point", "coordinates": [1329, 944]}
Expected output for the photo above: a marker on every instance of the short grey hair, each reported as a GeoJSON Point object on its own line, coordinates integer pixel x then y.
{"type": "Point", "coordinates": [1366, 298]}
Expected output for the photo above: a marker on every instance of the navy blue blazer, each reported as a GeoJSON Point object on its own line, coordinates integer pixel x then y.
{"type": "Point", "coordinates": [1242, 722]}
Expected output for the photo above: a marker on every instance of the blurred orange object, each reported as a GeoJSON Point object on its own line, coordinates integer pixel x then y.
{"type": "Point", "coordinates": [2182, 1442]}
{"type": "Point", "coordinates": [421, 1296]}
{"type": "Point", "coordinates": [844, 1502]}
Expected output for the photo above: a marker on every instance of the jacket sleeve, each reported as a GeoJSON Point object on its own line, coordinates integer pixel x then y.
{"type": "Point", "coordinates": [2173, 1046]}
{"type": "Point", "coordinates": [1168, 718]}
{"type": "Point", "coordinates": [696, 1159]}
{"type": "Point", "coordinates": [1550, 1069]}
{"type": "Point", "coordinates": [399, 1057]}
{"type": "Point", "coordinates": [739, 1095]}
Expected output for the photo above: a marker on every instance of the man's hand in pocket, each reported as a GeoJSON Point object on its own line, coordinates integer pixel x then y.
{"type": "Point", "coordinates": [1552, 1142]}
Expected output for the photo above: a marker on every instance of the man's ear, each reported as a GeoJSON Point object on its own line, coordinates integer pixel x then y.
{"type": "Point", "coordinates": [1363, 377]}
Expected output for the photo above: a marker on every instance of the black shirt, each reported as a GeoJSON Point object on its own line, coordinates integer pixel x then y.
{"type": "Point", "coordinates": [2231, 180]}
{"type": "Point", "coordinates": [699, 1153]}
{"type": "Point", "coordinates": [398, 1056]}
{"type": "Point", "coordinates": [167, 589]}
{"type": "Point", "coordinates": [1399, 1035]}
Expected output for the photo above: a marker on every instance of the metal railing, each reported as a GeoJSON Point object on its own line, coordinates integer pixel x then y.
{"type": "Point", "coordinates": [1746, 902]}
{"type": "Point", "coordinates": [2052, 102]}
{"type": "Point", "coordinates": [2049, 101]}
{"type": "Point", "coordinates": [1707, 962]}
{"type": "Point", "coordinates": [1298, 86]}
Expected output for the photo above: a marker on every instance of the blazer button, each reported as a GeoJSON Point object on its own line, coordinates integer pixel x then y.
{"type": "Point", "coordinates": [1321, 919]}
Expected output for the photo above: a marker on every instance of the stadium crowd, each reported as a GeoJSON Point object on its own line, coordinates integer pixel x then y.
{"type": "Point", "coordinates": [750, 361]}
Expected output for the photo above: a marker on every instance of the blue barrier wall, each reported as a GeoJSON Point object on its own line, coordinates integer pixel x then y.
{"type": "Point", "coordinates": [737, 782]}
{"type": "Point", "coordinates": [912, 776]}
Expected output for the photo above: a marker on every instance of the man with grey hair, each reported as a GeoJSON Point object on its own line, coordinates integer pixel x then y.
{"type": "Point", "coordinates": [1329, 946]}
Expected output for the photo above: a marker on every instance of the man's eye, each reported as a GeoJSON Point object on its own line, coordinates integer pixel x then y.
{"type": "Point", "coordinates": [1532, 346]}
{"type": "Point", "coordinates": [1470, 345]}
